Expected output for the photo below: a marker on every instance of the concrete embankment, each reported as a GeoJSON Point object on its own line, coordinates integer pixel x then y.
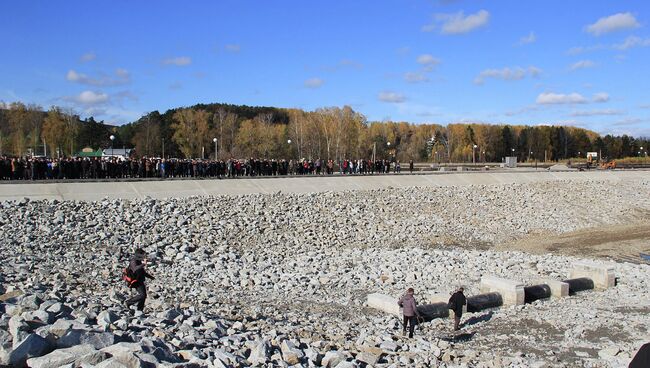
{"type": "Point", "coordinates": [89, 191]}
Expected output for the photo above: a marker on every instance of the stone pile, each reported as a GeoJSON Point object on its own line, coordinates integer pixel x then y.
{"type": "Point", "coordinates": [282, 279]}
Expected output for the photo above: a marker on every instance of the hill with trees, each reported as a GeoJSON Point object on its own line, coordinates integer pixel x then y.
{"type": "Point", "coordinates": [327, 133]}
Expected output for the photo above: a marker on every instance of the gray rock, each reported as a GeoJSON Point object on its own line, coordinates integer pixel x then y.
{"type": "Point", "coordinates": [85, 354]}
{"type": "Point", "coordinates": [106, 318]}
{"type": "Point", "coordinates": [111, 363]}
{"type": "Point", "coordinates": [368, 358]}
{"type": "Point", "coordinates": [98, 340]}
{"type": "Point", "coordinates": [332, 358]}
{"type": "Point", "coordinates": [290, 353]}
{"type": "Point", "coordinates": [32, 346]}
{"type": "Point", "coordinates": [259, 354]}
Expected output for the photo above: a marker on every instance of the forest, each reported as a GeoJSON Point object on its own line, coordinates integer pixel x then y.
{"type": "Point", "coordinates": [268, 132]}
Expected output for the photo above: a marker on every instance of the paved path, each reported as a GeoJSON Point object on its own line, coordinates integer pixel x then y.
{"type": "Point", "coordinates": [89, 191]}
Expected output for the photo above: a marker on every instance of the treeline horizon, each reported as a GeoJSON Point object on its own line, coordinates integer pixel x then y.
{"type": "Point", "coordinates": [335, 133]}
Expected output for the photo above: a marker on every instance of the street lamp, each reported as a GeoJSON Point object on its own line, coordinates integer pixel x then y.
{"type": "Point", "coordinates": [112, 138]}
{"type": "Point", "coordinates": [474, 154]}
{"type": "Point", "coordinates": [215, 148]}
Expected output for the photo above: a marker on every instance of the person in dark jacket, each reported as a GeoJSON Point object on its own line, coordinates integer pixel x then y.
{"type": "Point", "coordinates": [456, 303]}
{"type": "Point", "coordinates": [137, 265]}
{"type": "Point", "coordinates": [409, 310]}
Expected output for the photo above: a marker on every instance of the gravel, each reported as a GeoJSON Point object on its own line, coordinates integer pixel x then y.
{"type": "Point", "coordinates": [281, 279]}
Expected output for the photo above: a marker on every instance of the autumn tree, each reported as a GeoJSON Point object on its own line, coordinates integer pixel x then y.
{"type": "Point", "coordinates": [55, 130]}
{"type": "Point", "coordinates": [190, 131]}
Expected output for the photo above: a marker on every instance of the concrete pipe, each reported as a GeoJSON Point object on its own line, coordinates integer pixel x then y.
{"type": "Point", "coordinates": [433, 311]}
{"type": "Point", "coordinates": [477, 303]}
{"type": "Point", "coordinates": [536, 292]}
{"type": "Point", "coordinates": [579, 284]}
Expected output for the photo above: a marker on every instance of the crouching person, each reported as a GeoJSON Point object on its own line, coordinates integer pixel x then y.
{"type": "Point", "coordinates": [137, 275]}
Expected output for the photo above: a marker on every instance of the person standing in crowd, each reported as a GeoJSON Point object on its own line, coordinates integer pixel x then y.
{"type": "Point", "coordinates": [411, 166]}
{"type": "Point", "coordinates": [409, 310]}
{"type": "Point", "coordinates": [456, 304]}
{"type": "Point", "coordinates": [137, 266]}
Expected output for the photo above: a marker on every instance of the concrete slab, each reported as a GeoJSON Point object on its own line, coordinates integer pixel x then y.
{"type": "Point", "coordinates": [602, 275]}
{"type": "Point", "coordinates": [512, 292]}
{"type": "Point", "coordinates": [559, 289]}
{"type": "Point", "coordinates": [384, 303]}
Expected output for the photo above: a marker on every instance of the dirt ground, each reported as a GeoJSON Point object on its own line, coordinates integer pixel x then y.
{"type": "Point", "coordinates": [621, 243]}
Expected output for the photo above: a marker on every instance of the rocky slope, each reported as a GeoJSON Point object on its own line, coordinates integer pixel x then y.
{"type": "Point", "coordinates": [281, 279]}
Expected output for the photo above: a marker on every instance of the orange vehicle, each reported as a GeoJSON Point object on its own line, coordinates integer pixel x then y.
{"type": "Point", "coordinates": [608, 165]}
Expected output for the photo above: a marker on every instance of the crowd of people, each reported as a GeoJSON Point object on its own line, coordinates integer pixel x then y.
{"type": "Point", "coordinates": [38, 168]}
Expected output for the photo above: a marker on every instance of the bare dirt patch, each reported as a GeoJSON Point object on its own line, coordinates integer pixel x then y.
{"type": "Point", "coordinates": [618, 242]}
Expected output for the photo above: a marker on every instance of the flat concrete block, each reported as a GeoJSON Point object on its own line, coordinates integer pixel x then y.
{"type": "Point", "coordinates": [559, 289]}
{"type": "Point", "coordinates": [384, 303]}
{"type": "Point", "coordinates": [512, 292]}
{"type": "Point", "coordinates": [602, 275]}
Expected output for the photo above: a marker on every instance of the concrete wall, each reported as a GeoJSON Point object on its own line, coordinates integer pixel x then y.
{"type": "Point", "coordinates": [89, 191]}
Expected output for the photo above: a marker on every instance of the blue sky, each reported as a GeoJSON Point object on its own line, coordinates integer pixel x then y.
{"type": "Point", "coordinates": [581, 63]}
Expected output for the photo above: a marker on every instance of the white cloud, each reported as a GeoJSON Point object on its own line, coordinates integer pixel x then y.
{"type": "Point", "coordinates": [583, 49]}
{"type": "Point", "coordinates": [458, 23]}
{"type": "Point", "coordinates": [314, 83]}
{"type": "Point", "coordinates": [91, 98]}
{"type": "Point", "coordinates": [122, 76]}
{"type": "Point", "coordinates": [508, 74]}
{"type": "Point", "coordinates": [528, 39]}
{"type": "Point", "coordinates": [89, 56]}
{"type": "Point", "coordinates": [233, 48]}
{"type": "Point", "coordinates": [629, 121]}
{"type": "Point", "coordinates": [612, 23]}
{"type": "Point", "coordinates": [426, 59]}
{"type": "Point", "coordinates": [415, 77]}
{"type": "Point", "coordinates": [632, 41]}
{"type": "Point", "coordinates": [550, 98]}
{"type": "Point", "coordinates": [178, 61]}
{"type": "Point", "coordinates": [607, 112]}
{"type": "Point", "coordinates": [391, 97]}
{"type": "Point", "coordinates": [176, 86]}
{"type": "Point", "coordinates": [582, 64]}
{"type": "Point", "coordinates": [534, 71]}
{"type": "Point", "coordinates": [601, 97]}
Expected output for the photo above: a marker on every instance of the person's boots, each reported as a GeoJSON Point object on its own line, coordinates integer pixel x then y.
{"type": "Point", "coordinates": [404, 332]}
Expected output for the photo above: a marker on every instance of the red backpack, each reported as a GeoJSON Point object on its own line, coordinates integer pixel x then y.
{"type": "Point", "coordinates": [128, 277]}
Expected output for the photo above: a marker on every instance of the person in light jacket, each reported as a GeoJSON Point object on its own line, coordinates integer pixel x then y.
{"type": "Point", "coordinates": [409, 310]}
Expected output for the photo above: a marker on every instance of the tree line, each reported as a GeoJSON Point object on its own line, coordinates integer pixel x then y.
{"type": "Point", "coordinates": [335, 133]}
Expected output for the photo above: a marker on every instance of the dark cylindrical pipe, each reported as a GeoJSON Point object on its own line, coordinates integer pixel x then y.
{"type": "Point", "coordinates": [580, 284]}
{"type": "Point", "coordinates": [431, 311]}
{"type": "Point", "coordinates": [477, 303]}
{"type": "Point", "coordinates": [536, 292]}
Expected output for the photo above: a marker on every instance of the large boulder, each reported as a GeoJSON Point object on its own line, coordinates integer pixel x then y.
{"type": "Point", "coordinates": [80, 354]}
{"type": "Point", "coordinates": [32, 346]}
{"type": "Point", "coordinates": [290, 353]}
{"type": "Point", "coordinates": [98, 340]}
{"type": "Point", "coordinates": [259, 354]}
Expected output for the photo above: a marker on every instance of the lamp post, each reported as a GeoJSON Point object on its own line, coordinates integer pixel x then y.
{"type": "Point", "coordinates": [215, 148]}
{"type": "Point", "coordinates": [112, 138]}
{"type": "Point", "coordinates": [474, 154]}
{"type": "Point", "coordinates": [289, 143]}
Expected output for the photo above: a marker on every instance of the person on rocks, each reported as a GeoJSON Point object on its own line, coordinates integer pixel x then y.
{"type": "Point", "coordinates": [137, 266]}
{"type": "Point", "coordinates": [456, 304]}
{"type": "Point", "coordinates": [409, 310]}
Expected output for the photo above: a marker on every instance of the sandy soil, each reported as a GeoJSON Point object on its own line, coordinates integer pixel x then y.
{"type": "Point", "coordinates": [621, 243]}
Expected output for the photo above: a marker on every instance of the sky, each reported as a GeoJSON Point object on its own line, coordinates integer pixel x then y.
{"type": "Point", "coordinates": [581, 63]}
